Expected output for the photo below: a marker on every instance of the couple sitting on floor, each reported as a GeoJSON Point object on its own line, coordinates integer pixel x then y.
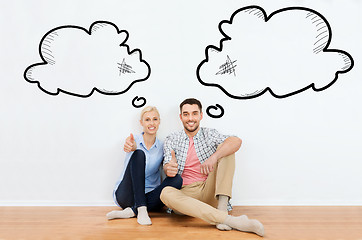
{"type": "Point", "coordinates": [199, 164]}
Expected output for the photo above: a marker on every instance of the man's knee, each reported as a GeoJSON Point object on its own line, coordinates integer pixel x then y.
{"type": "Point", "coordinates": [228, 159]}
{"type": "Point", "coordinates": [166, 193]}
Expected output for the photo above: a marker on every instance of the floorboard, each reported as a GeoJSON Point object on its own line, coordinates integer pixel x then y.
{"type": "Point", "coordinates": [314, 223]}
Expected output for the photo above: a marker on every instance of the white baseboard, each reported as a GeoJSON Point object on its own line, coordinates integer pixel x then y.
{"type": "Point", "coordinates": [233, 202]}
{"type": "Point", "coordinates": [295, 203]}
{"type": "Point", "coordinates": [52, 203]}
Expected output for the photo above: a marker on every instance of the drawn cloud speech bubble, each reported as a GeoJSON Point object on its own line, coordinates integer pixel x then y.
{"type": "Point", "coordinates": [284, 53]}
{"type": "Point", "coordinates": [78, 62]}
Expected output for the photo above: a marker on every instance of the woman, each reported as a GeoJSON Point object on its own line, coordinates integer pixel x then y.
{"type": "Point", "coordinates": [139, 188]}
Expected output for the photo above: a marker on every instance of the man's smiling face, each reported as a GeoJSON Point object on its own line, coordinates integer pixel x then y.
{"type": "Point", "coordinates": [191, 116]}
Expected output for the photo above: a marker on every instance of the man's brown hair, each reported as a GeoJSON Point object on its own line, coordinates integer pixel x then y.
{"type": "Point", "coordinates": [191, 101]}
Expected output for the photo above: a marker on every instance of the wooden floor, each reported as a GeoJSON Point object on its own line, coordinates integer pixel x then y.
{"type": "Point", "coordinates": [314, 223]}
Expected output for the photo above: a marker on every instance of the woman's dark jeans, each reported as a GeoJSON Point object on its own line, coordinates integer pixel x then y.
{"type": "Point", "coordinates": [131, 191]}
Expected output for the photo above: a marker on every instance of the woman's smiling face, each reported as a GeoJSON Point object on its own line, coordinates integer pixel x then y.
{"type": "Point", "coordinates": [150, 122]}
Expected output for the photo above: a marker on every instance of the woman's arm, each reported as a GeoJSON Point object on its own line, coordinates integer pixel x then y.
{"type": "Point", "coordinates": [130, 145]}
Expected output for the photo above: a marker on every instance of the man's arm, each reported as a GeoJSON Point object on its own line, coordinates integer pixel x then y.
{"type": "Point", "coordinates": [228, 147]}
{"type": "Point", "coordinates": [170, 165]}
{"type": "Point", "coordinates": [167, 148]}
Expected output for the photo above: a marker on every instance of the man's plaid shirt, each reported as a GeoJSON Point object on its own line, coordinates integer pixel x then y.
{"type": "Point", "coordinates": [206, 142]}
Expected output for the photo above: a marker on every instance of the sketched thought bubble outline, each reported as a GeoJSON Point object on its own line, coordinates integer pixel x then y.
{"type": "Point", "coordinates": [47, 58]}
{"type": "Point", "coordinates": [268, 88]}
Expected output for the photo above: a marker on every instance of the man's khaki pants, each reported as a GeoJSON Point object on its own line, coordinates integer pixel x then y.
{"type": "Point", "coordinates": [199, 199]}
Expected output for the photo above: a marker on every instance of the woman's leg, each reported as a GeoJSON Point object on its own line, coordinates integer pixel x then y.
{"type": "Point", "coordinates": [130, 193]}
{"type": "Point", "coordinates": [154, 202]}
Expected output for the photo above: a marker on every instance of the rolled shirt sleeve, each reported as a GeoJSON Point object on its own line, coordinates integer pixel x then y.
{"type": "Point", "coordinates": [167, 148]}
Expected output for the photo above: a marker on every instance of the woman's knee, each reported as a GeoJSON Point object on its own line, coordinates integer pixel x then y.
{"type": "Point", "coordinates": [178, 181]}
{"type": "Point", "coordinates": [175, 181]}
{"type": "Point", "coordinates": [138, 157]}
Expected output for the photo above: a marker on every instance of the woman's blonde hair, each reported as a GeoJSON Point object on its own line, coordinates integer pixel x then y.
{"type": "Point", "coordinates": [149, 109]}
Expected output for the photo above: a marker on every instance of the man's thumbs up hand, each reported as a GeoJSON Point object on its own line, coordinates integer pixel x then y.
{"type": "Point", "coordinates": [173, 157]}
{"type": "Point", "coordinates": [172, 166]}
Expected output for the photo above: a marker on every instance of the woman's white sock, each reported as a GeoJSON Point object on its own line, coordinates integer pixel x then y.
{"type": "Point", "coordinates": [142, 217]}
{"type": "Point", "coordinates": [125, 213]}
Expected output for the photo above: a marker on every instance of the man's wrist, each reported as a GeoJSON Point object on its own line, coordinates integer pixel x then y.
{"type": "Point", "coordinates": [215, 156]}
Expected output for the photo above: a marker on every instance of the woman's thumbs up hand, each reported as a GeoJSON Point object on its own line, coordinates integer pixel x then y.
{"type": "Point", "coordinates": [130, 144]}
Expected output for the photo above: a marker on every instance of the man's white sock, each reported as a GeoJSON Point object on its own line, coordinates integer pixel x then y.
{"type": "Point", "coordinates": [243, 223]}
{"type": "Point", "coordinates": [223, 205]}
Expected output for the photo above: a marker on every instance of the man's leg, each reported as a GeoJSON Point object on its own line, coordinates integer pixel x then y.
{"type": "Point", "coordinates": [220, 181]}
{"type": "Point", "coordinates": [218, 186]}
{"type": "Point", "coordinates": [154, 202]}
{"type": "Point", "coordinates": [179, 201]}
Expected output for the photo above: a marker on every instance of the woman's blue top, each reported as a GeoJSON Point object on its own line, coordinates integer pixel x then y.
{"type": "Point", "coordinates": [154, 157]}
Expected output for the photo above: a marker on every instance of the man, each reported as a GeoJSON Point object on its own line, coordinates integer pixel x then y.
{"type": "Point", "coordinates": [206, 161]}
